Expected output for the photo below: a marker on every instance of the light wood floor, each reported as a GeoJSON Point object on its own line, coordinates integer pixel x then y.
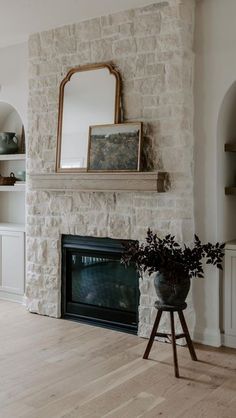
{"type": "Point", "coordinates": [53, 368]}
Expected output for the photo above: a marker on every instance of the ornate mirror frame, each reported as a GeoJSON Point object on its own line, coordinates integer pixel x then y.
{"type": "Point", "coordinates": [117, 107]}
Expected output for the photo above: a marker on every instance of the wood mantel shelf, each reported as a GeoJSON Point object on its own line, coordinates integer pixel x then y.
{"type": "Point", "coordinates": [101, 182]}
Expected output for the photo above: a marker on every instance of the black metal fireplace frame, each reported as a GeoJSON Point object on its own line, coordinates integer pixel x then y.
{"type": "Point", "coordinates": [119, 320]}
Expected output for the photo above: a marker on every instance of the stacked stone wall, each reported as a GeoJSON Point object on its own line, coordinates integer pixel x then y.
{"type": "Point", "coordinates": [152, 48]}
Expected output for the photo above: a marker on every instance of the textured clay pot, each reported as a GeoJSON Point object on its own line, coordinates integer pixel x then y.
{"type": "Point", "coordinates": [171, 293]}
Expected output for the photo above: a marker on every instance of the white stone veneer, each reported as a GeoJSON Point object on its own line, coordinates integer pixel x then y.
{"type": "Point", "coordinates": [152, 48]}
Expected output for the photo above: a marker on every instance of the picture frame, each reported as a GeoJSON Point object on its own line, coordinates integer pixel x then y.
{"type": "Point", "coordinates": [115, 147]}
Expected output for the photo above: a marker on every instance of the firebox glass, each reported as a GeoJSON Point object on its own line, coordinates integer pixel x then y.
{"type": "Point", "coordinates": [103, 282]}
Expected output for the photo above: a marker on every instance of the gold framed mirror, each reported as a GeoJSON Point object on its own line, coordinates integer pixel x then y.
{"type": "Point", "coordinates": [89, 95]}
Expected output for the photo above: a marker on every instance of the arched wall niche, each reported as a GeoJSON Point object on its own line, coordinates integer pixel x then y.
{"type": "Point", "coordinates": [12, 204]}
{"type": "Point", "coordinates": [226, 167]}
{"type": "Point", "coordinates": [10, 121]}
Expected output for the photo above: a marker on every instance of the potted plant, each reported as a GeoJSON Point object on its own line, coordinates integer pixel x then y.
{"type": "Point", "coordinates": [173, 264]}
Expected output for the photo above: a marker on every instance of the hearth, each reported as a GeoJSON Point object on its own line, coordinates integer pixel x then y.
{"type": "Point", "coordinates": [96, 287]}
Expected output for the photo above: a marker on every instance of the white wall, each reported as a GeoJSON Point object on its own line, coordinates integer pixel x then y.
{"type": "Point", "coordinates": [215, 73]}
{"type": "Point", "coordinates": [14, 78]}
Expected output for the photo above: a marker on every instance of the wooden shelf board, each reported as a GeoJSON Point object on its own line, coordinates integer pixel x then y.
{"type": "Point", "coordinates": [230, 191]}
{"type": "Point", "coordinates": [231, 245]}
{"type": "Point", "coordinates": [101, 182]}
{"type": "Point", "coordinates": [230, 147]}
{"type": "Point", "coordinates": [12, 157]}
{"type": "Point", "coordinates": [18, 188]}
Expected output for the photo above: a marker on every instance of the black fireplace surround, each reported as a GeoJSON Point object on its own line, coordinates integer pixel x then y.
{"type": "Point", "coordinates": [96, 287]}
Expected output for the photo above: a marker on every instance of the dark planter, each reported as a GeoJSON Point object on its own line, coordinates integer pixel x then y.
{"type": "Point", "coordinates": [170, 293]}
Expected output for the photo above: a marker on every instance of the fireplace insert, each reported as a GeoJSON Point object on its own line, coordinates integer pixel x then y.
{"type": "Point", "coordinates": [96, 287]}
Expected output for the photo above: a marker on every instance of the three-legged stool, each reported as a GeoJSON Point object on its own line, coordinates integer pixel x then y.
{"type": "Point", "coordinates": [174, 337]}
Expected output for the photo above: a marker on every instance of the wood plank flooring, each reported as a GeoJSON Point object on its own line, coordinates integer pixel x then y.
{"type": "Point", "coordinates": [53, 368]}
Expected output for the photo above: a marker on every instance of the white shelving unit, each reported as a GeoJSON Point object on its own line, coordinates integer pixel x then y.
{"type": "Point", "coordinates": [12, 263]}
{"type": "Point", "coordinates": [7, 163]}
{"type": "Point", "coordinates": [229, 336]}
{"type": "Point", "coordinates": [12, 234]}
{"type": "Point", "coordinates": [12, 198]}
{"type": "Point", "coordinates": [12, 214]}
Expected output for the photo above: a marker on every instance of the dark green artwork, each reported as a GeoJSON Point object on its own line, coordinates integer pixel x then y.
{"type": "Point", "coordinates": [111, 149]}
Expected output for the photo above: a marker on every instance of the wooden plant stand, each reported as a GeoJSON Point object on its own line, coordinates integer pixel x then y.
{"type": "Point", "coordinates": [179, 309]}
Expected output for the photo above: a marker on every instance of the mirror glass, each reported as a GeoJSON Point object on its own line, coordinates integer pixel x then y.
{"type": "Point", "coordinates": [88, 96]}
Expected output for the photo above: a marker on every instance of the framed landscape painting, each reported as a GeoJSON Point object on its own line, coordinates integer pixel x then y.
{"type": "Point", "coordinates": [115, 147]}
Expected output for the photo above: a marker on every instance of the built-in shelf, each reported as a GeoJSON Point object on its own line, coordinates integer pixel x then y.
{"type": "Point", "coordinates": [12, 157]}
{"type": "Point", "coordinates": [12, 210]}
{"type": "Point", "coordinates": [231, 245]}
{"type": "Point", "coordinates": [18, 188]}
{"type": "Point", "coordinates": [230, 191]}
{"type": "Point", "coordinates": [230, 148]}
{"type": "Point", "coordinates": [102, 182]}
{"type": "Point", "coordinates": [6, 226]}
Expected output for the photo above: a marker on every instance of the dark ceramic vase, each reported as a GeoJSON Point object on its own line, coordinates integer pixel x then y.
{"type": "Point", "coordinates": [170, 293]}
{"type": "Point", "coordinates": [8, 143]}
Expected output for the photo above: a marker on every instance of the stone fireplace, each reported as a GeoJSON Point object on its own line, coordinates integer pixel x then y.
{"type": "Point", "coordinates": [152, 49]}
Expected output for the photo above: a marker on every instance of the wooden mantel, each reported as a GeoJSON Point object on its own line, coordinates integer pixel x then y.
{"type": "Point", "coordinates": [100, 182]}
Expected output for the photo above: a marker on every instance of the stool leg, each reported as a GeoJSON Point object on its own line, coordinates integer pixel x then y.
{"type": "Point", "coordinates": [172, 322]}
{"type": "Point", "coordinates": [187, 336]}
{"type": "Point", "coordinates": [153, 334]}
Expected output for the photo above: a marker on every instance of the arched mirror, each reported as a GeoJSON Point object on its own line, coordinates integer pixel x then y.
{"type": "Point", "coordinates": [89, 95]}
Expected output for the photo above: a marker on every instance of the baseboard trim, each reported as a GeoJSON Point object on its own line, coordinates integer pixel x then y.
{"type": "Point", "coordinates": [12, 297]}
{"type": "Point", "coordinates": [228, 340]}
{"type": "Point", "coordinates": [207, 336]}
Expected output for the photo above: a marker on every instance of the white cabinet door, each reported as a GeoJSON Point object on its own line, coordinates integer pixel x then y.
{"type": "Point", "coordinates": [230, 298]}
{"type": "Point", "coordinates": [12, 262]}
